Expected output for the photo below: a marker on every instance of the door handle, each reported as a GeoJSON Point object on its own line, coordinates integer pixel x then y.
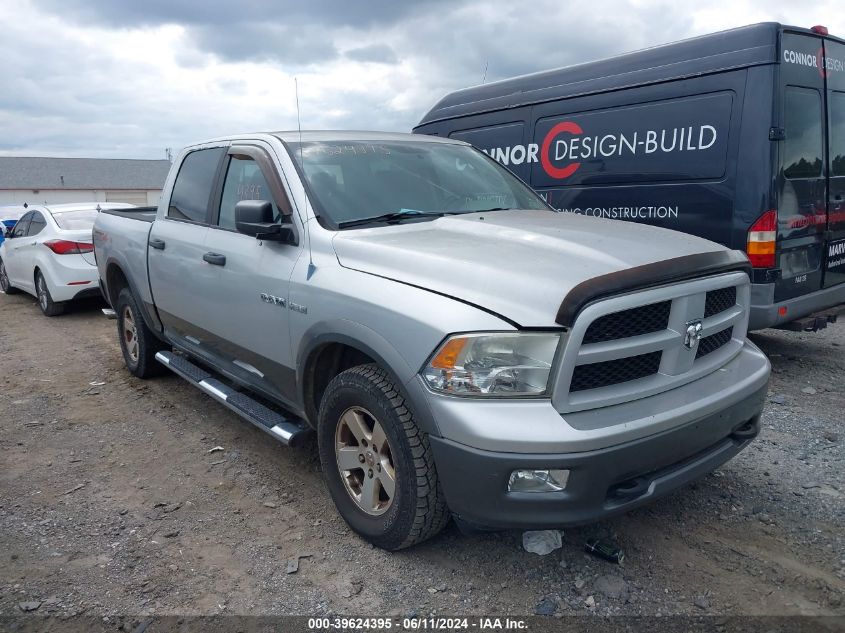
{"type": "Point", "coordinates": [157, 244]}
{"type": "Point", "coordinates": [215, 259]}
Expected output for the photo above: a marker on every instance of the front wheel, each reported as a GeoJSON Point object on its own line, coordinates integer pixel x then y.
{"type": "Point", "coordinates": [49, 307]}
{"type": "Point", "coordinates": [137, 342]}
{"type": "Point", "coordinates": [6, 285]}
{"type": "Point", "coordinates": [378, 464]}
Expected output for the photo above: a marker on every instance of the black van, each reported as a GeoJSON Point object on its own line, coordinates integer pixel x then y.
{"type": "Point", "coordinates": [738, 137]}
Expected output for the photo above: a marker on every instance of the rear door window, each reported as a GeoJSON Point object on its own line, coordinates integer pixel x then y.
{"type": "Point", "coordinates": [192, 189]}
{"type": "Point", "coordinates": [36, 224]}
{"type": "Point", "coordinates": [802, 149]}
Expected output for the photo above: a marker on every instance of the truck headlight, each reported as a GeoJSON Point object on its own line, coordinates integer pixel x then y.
{"type": "Point", "coordinates": [504, 365]}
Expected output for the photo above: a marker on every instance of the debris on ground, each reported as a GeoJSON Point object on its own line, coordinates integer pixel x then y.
{"type": "Point", "coordinates": [29, 606]}
{"type": "Point", "coordinates": [74, 489]}
{"type": "Point", "coordinates": [612, 586]}
{"type": "Point", "coordinates": [546, 606]}
{"type": "Point", "coordinates": [542, 542]}
{"type": "Point", "coordinates": [293, 563]}
{"type": "Point", "coordinates": [216, 449]}
{"type": "Point", "coordinates": [604, 550]}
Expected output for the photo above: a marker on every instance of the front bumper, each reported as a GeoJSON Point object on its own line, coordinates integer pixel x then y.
{"type": "Point", "coordinates": [601, 482]}
{"type": "Point", "coordinates": [765, 310]}
{"type": "Point", "coordinates": [649, 446]}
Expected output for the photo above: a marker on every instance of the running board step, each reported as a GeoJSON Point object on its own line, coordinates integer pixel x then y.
{"type": "Point", "coordinates": [287, 431]}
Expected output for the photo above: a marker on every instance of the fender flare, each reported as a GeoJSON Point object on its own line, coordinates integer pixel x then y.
{"type": "Point", "coordinates": [150, 318]}
{"type": "Point", "coordinates": [374, 345]}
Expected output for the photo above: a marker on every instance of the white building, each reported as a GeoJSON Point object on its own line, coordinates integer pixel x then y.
{"type": "Point", "coordinates": [38, 180]}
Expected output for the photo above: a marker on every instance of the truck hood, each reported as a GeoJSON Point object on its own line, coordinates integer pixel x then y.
{"type": "Point", "coordinates": [518, 264]}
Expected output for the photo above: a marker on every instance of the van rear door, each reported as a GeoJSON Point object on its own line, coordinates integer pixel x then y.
{"type": "Point", "coordinates": [834, 71]}
{"type": "Point", "coordinates": [802, 174]}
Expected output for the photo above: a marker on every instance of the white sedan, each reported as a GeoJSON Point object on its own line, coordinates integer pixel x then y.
{"type": "Point", "coordinates": [50, 254]}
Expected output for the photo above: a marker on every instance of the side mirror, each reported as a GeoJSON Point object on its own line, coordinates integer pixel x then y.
{"type": "Point", "coordinates": [255, 217]}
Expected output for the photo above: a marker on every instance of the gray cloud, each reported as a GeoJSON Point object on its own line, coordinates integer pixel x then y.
{"type": "Point", "coordinates": [378, 53]}
{"type": "Point", "coordinates": [112, 78]}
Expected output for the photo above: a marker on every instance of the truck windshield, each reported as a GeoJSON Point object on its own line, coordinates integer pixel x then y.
{"type": "Point", "coordinates": [352, 182]}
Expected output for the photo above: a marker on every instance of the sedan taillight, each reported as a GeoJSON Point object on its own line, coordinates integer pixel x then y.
{"type": "Point", "coordinates": [66, 247]}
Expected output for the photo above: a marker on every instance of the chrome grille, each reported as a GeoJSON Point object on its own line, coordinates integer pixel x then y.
{"type": "Point", "coordinates": [633, 322]}
{"type": "Point", "coordinates": [641, 343]}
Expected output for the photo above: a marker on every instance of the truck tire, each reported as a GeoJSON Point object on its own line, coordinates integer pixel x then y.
{"type": "Point", "coordinates": [5, 285]}
{"type": "Point", "coordinates": [49, 307]}
{"type": "Point", "coordinates": [378, 464]}
{"type": "Point", "coordinates": [137, 342]}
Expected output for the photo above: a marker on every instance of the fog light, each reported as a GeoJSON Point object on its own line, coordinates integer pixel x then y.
{"type": "Point", "coordinates": [538, 480]}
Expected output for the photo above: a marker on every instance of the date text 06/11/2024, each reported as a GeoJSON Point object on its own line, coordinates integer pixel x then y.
{"type": "Point", "coordinates": [417, 624]}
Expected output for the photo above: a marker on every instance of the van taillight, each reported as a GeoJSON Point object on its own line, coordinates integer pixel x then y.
{"type": "Point", "coordinates": [66, 247]}
{"type": "Point", "coordinates": [762, 237]}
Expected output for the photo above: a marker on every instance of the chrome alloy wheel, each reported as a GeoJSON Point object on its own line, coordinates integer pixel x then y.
{"type": "Point", "coordinates": [130, 334]}
{"type": "Point", "coordinates": [365, 461]}
{"type": "Point", "coordinates": [41, 290]}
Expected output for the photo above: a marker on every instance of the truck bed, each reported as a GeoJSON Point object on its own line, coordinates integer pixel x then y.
{"type": "Point", "coordinates": [120, 238]}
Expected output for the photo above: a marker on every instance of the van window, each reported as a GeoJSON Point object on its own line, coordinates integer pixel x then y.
{"type": "Point", "coordinates": [802, 150]}
{"type": "Point", "coordinates": [244, 181]}
{"type": "Point", "coordinates": [837, 133]}
{"type": "Point", "coordinates": [660, 141]}
{"type": "Point", "coordinates": [192, 190]}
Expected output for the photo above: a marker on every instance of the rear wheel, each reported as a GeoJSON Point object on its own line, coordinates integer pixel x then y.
{"type": "Point", "coordinates": [5, 285]}
{"type": "Point", "coordinates": [49, 307]}
{"type": "Point", "coordinates": [378, 464]}
{"type": "Point", "coordinates": [137, 342]}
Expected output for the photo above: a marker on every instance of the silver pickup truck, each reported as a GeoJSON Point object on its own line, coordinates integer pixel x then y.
{"type": "Point", "coordinates": [459, 348]}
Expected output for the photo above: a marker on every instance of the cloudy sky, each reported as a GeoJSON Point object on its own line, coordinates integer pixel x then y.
{"type": "Point", "coordinates": [128, 78]}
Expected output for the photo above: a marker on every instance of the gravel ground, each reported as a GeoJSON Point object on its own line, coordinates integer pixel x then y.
{"type": "Point", "coordinates": [114, 500]}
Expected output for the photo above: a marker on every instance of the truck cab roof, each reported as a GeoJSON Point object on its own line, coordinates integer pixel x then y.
{"type": "Point", "coordinates": [311, 136]}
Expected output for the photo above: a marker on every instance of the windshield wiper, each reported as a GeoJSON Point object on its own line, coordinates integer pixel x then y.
{"type": "Point", "coordinates": [492, 209]}
{"type": "Point", "coordinates": [394, 216]}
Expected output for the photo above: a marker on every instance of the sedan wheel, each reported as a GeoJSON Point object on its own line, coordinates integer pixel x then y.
{"type": "Point", "coordinates": [5, 284]}
{"type": "Point", "coordinates": [42, 292]}
{"type": "Point", "coordinates": [45, 300]}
